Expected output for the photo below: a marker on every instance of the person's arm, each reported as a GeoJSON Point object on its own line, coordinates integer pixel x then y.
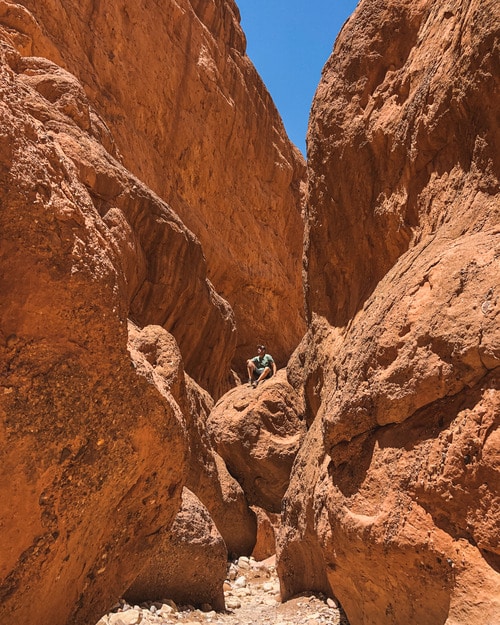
{"type": "Point", "coordinates": [271, 364]}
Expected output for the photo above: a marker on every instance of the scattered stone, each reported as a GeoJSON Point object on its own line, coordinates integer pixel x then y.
{"type": "Point", "coordinates": [232, 572]}
{"type": "Point", "coordinates": [241, 582]}
{"type": "Point", "coordinates": [248, 601]}
{"type": "Point", "coordinates": [233, 603]}
{"type": "Point", "coordinates": [244, 562]}
{"type": "Point", "coordinates": [129, 617]}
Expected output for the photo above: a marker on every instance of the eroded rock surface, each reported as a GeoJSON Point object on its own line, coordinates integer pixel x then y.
{"type": "Point", "coordinates": [157, 357]}
{"type": "Point", "coordinates": [81, 434]}
{"type": "Point", "coordinates": [394, 497]}
{"type": "Point", "coordinates": [193, 120]}
{"type": "Point", "coordinates": [86, 481]}
{"type": "Point", "coordinates": [258, 433]}
{"type": "Point", "coordinates": [188, 565]}
{"type": "Point", "coordinates": [268, 524]}
{"type": "Point", "coordinates": [114, 343]}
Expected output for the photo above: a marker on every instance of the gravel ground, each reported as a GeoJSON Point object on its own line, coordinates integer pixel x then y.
{"type": "Point", "coordinates": [252, 598]}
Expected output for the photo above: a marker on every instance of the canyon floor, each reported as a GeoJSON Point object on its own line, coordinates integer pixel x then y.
{"type": "Point", "coordinates": [252, 598]}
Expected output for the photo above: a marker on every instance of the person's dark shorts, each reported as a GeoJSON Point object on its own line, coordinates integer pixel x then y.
{"type": "Point", "coordinates": [259, 372]}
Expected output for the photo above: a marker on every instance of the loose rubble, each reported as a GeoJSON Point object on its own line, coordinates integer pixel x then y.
{"type": "Point", "coordinates": [252, 596]}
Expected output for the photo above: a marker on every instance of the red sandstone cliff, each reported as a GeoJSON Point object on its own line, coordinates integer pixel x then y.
{"type": "Point", "coordinates": [394, 500]}
{"type": "Point", "coordinates": [97, 426]}
{"type": "Point", "coordinates": [92, 456]}
{"type": "Point", "coordinates": [193, 120]}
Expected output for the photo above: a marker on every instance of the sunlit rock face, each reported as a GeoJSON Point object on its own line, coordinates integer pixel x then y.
{"type": "Point", "coordinates": [83, 474]}
{"type": "Point", "coordinates": [193, 120]}
{"type": "Point", "coordinates": [394, 498]}
{"type": "Point", "coordinates": [93, 455]}
{"type": "Point", "coordinates": [258, 432]}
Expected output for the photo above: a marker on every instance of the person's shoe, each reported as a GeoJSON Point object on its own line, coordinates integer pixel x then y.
{"type": "Point", "coordinates": [250, 383]}
{"type": "Point", "coordinates": [254, 384]}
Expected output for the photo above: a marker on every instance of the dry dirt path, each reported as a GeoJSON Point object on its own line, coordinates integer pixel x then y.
{"type": "Point", "coordinates": [252, 598]}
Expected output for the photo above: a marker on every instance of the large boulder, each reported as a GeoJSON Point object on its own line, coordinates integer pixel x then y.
{"type": "Point", "coordinates": [194, 121]}
{"type": "Point", "coordinates": [187, 565]}
{"type": "Point", "coordinates": [394, 497]}
{"type": "Point", "coordinates": [258, 433]}
{"type": "Point", "coordinates": [157, 357]}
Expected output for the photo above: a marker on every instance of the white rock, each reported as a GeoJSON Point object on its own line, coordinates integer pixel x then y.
{"type": "Point", "coordinates": [269, 601]}
{"type": "Point", "coordinates": [168, 606]}
{"type": "Point", "coordinates": [331, 603]}
{"type": "Point", "coordinates": [232, 572]}
{"type": "Point", "coordinates": [129, 617]}
{"type": "Point", "coordinates": [232, 603]}
{"type": "Point", "coordinates": [210, 615]}
{"type": "Point", "coordinates": [240, 582]}
{"type": "Point", "coordinates": [244, 562]}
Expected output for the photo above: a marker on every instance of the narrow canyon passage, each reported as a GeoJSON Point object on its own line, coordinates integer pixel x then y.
{"type": "Point", "coordinates": [156, 224]}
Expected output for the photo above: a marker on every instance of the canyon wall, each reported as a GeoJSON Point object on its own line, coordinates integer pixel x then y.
{"type": "Point", "coordinates": [107, 299]}
{"type": "Point", "coordinates": [151, 233]}
{"type": "Point", "coordinates": [394, 499]}
{"type": "Point", "coordinates": [93, 456]}
{"type": "Point", "coordinates": [84, 475]}
{"type": "Point", "coordinates": [193, 120]}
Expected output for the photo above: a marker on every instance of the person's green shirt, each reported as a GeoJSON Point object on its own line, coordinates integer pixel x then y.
{"type": "Point", "coordinates": [261, 362]}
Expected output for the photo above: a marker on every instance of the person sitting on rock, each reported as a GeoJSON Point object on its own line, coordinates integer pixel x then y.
{"type": "Point", "coordinates": [261, 367]}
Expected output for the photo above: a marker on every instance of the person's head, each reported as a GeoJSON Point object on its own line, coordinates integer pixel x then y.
{"type": "Point", "coordinates": [261, 349]}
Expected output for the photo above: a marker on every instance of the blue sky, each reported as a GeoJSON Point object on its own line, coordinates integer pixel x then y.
{"type": "Point", "coordinates": [289, 41]}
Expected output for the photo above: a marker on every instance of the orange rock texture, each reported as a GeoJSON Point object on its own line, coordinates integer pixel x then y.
{"type": "Point", "coordinates": [151, 235]}
{"type": "Point", "coordinates": [93, 455]}
{"type": "Point", "coordinates": [193, 120]}
{"type": "Point", "coordinates": [394, 500]}
{"type": "Point", "coordinates": [188, 565]}
{"type": "Point", "coordinates": [83, 473]}
{"type": "Point", "coordinates": [258, 432]}
{"type": "Point", "coordinates": [157, 357]}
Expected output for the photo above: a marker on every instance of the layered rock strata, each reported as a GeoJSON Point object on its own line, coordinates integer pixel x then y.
{"type": "Point", "coordinates": [394, 498]}
{"type": "Point", "coordinates": [194, 121]}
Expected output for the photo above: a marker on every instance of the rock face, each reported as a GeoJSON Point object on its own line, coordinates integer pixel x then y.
{"type": "Point", "coordinates": [157, 357]}
{"type": "Point", "coordinates": [394, 498]}
{"type": "Point", "coordinates": [83, 475]}
{"type": "Point", "coordinates": [93, 456]}
{"type": "Point", "coordinates": [258, 433]}
{"type": "Point", "coordinates": [267, 526]}
{"type": "Point", "coordinates": [188, 565]}
{"type": "Point", "coordinates": [193, 120]}
{"type": "Point", "coordinates": [115, 345]}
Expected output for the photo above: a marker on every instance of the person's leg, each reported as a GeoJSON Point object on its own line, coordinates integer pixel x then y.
{"type": "Point", "coordinates": [263, 375]}
{"type": "Point", "coordinates": [251, 371]}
